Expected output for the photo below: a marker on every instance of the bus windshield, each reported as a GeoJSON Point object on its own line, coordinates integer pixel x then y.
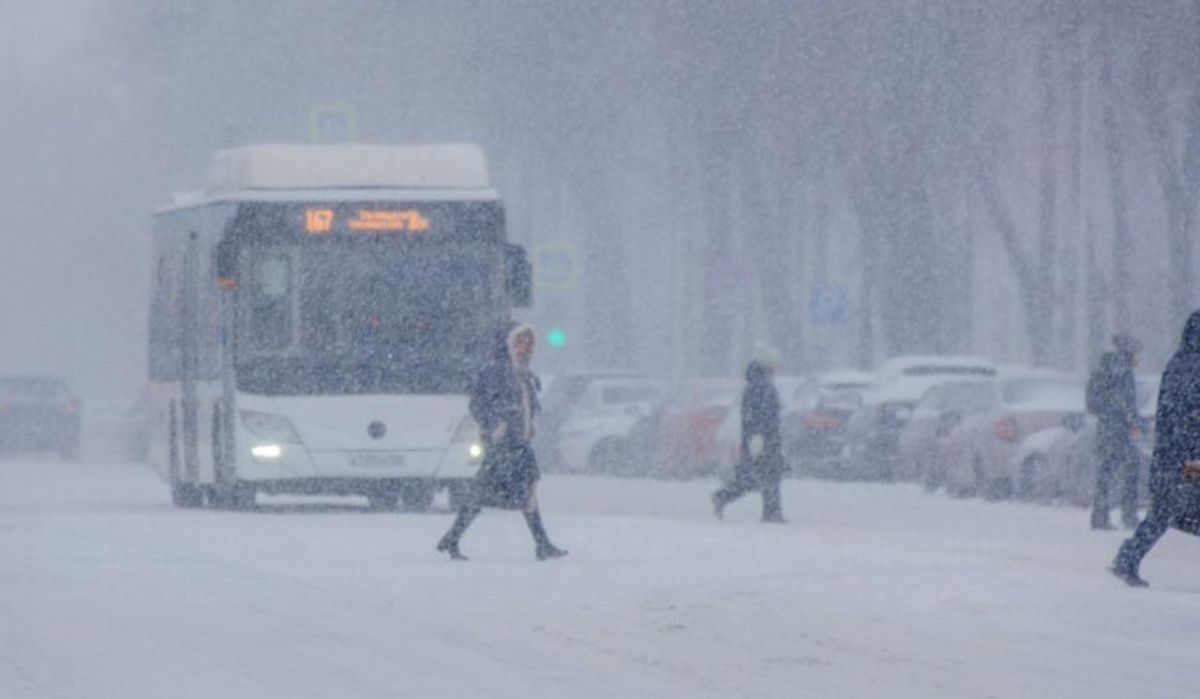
{"type": "Point", "coordinates": [364, 316]}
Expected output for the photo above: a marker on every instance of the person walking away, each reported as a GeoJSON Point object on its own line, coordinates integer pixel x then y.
{"type": "Point", "coordinates": [1176, 456]}
{"type": "Point", "coordinates": [504, 403]}
{"type": "Point", "coordinates": [760, 464]}
{"type": "Point", "coordinates": [1112, 396]}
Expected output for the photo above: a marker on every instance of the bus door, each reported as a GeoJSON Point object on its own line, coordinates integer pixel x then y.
{"type": "Point", "coordinates": [189, 357]}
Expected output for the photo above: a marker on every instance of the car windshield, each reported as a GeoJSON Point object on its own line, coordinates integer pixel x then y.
{"type": "Point", "coordinates": [623, 394]}
{"type": "Point", "coordinates": [20, 388]}
{"type": "Point", "coordinates": [1056, 393]}
{"type": "Point", "coordinates": [967, 397]}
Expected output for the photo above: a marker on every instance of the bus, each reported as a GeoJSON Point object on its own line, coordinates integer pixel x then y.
{"type": "Point", "coordinates": [316, 315]}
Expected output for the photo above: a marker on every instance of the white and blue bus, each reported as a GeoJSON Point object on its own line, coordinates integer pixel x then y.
{"type": "Point", "coordinates": [315, 317]}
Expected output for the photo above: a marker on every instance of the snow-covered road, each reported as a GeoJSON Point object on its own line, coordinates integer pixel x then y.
{"type": "Point", "coordinates": [871, 591]}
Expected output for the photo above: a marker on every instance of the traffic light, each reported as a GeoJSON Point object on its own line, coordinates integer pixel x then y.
{"type": "Point", "coordinates": [556, 338]}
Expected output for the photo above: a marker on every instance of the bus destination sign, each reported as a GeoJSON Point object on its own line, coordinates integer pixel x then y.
{"type": "Point", "coordinates": [320, 221]}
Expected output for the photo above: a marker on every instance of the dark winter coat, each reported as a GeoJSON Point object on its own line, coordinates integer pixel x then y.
{"type": "Point", "coordinates": [760, 417]}
{"type": "Point", "coordinates": [1177, 424]}
{"type": "Point", "coordinates": [504, 403]}
{"type": "Point", "coordinates": [1115, 405]}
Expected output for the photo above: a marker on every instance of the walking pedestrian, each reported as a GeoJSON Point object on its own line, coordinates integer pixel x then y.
{"type": "Point", "coordinates": [504, 403]}
{"type": "Point", "coordinates": [760, 464]}
{"type": "Point", "coordinates": [1176, 461]}
{"type": "Point", "coordinates": [1112, 397]}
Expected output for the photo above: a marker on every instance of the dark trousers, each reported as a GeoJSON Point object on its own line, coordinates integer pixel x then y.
{"type": "Point", "coordinates": [1124, 462]}
{"type": "Point", "coordinates": [742, 484]}
{"type": "Point", "coordinates": [1147, 534]}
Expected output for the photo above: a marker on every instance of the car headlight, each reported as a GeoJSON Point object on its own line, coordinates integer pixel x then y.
{"type": "Point", "coordinates": [266, 452]}
{"type": "Point", "coordinates": [269, 427]}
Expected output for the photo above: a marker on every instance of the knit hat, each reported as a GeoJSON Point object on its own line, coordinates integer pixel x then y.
{"type": "Point", "coordinates": [1127, 343]}
{"type": "Point", "coordinates": [766, 355]}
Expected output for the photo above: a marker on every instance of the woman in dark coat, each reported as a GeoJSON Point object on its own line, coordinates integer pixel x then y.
{"type": "Point", "coordinates": [504, 403]}
{"type": "Point", "coordinates": [760, 464]}
{"type": "Point", "coordinates": [1176, 444]}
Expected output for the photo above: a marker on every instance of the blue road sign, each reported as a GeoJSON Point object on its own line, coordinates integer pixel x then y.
{"type": "Point", "coordinates": [828, 304]}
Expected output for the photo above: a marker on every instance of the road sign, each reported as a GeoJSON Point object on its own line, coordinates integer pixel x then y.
{"type": "Point", "coordinates": [554, 266]}
{"type": "Point", "coordinates": [828, 304]}
{"type": "Point", "coordinates": [332, 123]}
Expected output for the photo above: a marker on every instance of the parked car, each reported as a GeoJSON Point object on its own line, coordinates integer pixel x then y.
{"type": "Point", "coordinates": [816, 414]}
{"type": "Point", "coordinates": [1067, 453]}
{"type": "Point", "coordinates": [979, 452]}
{"type": "Point", "coordinates": [560, 396]}
{"type": "Point", "coordinates": [934, 417]}
{"type": "Point", "coordinates": [871, 449]}
{"type": "Point", "coordinates": [678, 438]}
{"type": "Point", "coordinates": [594, 438]}
{"type": "Point", "coordinates": [39, 413]}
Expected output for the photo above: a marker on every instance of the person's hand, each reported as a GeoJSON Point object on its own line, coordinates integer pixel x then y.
{"type": "Point", "coordinates": [1191, 470]}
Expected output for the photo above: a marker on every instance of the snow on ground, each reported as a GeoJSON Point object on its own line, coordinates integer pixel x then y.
{"type": "Point", "coordinates": [872, 590]}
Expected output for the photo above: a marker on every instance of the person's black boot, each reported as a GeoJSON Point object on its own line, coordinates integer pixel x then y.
{"type": "Point", "coordinates": [1127, 575]}
{"type": "Point", "coordinates": [718, 503]}
{"type": "Point", "coordinates": [1124, 567]}
{"type": "Point", "coordinates": [449, 546]}
{"type": "Point", "coordinates": [449, 542]}
{"type": "Point", "coordinates": [544, 549]}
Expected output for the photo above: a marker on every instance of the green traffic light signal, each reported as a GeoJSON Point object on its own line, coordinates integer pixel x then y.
{"type": "Point", "coordinates": [556, 337]}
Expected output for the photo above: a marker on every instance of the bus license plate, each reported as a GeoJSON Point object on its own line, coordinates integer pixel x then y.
{"type": "Point", "coordinates": [377, 460]}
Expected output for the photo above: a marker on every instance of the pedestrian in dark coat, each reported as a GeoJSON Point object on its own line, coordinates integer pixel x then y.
{"type": "Point", "coordinates": [1176, 446]}
{"type": "Point", "coordinates": [760, 464]}
{"type": "Point", "coordinates": [1113, 398]}
{"type": "Point", "coordinates": [504, 404]}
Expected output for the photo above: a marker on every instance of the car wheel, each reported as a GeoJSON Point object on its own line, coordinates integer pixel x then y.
{"type": "Point", "coordinates": [187, 495]}
{"type": "Point", "coordinates": [609, 455]}
{"type": "Point", "coordinates": [417, 495]}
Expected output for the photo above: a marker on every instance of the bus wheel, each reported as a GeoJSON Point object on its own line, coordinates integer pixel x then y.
{"type": "Point", "coordinates": [186, 495]}
{"type": "Point", "coordinates": [417, 495]}
{"type": "Point", "coordinates": [235, 496]}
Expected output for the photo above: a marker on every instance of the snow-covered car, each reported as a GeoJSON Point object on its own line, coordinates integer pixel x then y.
{"type": "Point", "coordinates": [1066, 454]}
{"type": "Point", "coordinates": [679, 437]}
{"type": "Point", "coordinates": [817, 412]}
{"type": "Point", "coordinates": [871, 449]}
{"type": "Point", "coordinates": [560, 396]}
{"type": "Point", "coordinates": [39, 414]}
{"type": "Point", "coordinates": [979, 452]}
{"type": "Point", "coordinates": [934, 417]}
{"type": "Point", "coordinates": [595, 437]}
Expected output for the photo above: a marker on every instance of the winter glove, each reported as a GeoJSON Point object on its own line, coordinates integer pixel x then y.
{"type": "Point", "coordinates": [756, 446]}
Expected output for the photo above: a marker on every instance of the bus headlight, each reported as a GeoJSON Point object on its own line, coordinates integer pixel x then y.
{"type": "Point", "coordinates": [269, 427]}
{"type": "Point", "coordinates": [475, 451]}
{"type": "Point", "coordinates": [266, 452]}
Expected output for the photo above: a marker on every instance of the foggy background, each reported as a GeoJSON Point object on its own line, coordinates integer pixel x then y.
{"type": "Point", "coordinates": [844, 180]}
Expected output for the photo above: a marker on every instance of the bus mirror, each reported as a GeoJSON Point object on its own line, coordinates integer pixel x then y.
{"type": "Point", "coordinates": [518, 276]}
{"type": "Point", "coordinates": [226, 265]}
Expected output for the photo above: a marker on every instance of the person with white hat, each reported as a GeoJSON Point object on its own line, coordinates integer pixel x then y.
{"type": "Point", "coordinates": [760, 464]}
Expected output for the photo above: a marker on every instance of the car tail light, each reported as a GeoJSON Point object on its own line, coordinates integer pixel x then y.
{"type": "Point", "coordinates": [821, 421]}
{"type": "Point", "coordinates": [1005, 429]}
